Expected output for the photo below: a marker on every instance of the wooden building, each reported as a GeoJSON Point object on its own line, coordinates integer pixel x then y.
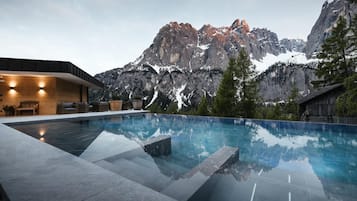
{"type": "Point", "coordinates": [320, 106]}
{"type": "Point", "coordinates": [43, 81]}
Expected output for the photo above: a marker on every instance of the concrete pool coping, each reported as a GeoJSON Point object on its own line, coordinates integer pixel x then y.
{"type": "Point", "coordinates": [33, 170]}
{"type": "Point", "coordinates": [17, 119]}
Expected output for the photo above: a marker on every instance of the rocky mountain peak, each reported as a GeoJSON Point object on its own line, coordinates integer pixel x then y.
{"type": "Point", "coordinates": [241, 25]}
{"type": "Point", "coordinates": [293, 45]}
{"type": "Point", "coordinates": [181, 26]}
{"type": "Point", "coordinates": [184, 63]}
{"type": "Point", "coordinates": [330, 12]}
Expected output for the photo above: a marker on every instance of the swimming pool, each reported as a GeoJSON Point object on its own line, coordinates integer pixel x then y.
{"type": "Point", "coordinates": [278, 160]}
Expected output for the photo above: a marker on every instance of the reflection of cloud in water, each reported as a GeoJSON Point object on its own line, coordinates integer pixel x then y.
{"type": "Point", "coordinates": [291, 142]}
{"type": "Point", "coordinates": [204, 152]}
{"type": "Point", "coordinates": [354, 143]}
{"type": "Point", "coordinates": [296, 165]}
{"type": "Point", "coordinates": [157, 133]}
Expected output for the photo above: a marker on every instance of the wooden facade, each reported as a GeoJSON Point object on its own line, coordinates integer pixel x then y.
{"type": "Point", "coordinates": [320, 105]}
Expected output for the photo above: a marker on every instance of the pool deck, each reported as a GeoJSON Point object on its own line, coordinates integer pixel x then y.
{"type": "Point", "coordinates": [33, 170]}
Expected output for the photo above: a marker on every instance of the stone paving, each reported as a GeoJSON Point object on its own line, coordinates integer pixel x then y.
{"type": "Point", "coordinates": [32, 170]}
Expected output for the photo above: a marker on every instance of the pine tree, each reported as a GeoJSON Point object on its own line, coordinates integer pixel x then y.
{"type": "Point", "coordinates": [172, 108]}
{"type": "Point", "coordinates": [334, 65]}
{"type": "Point", "coordinates": [292, 106]}
{"type": "Point", "coordinates": [155, 108]}
{"type": "Point", "coordinates": [353, 40]}
{"type": "Point", "coordinates": [225, 101]}
{"type": "Point", "coordinates": [203, 107]}
{"type": "Point", "coordinates": [247, 90]}
{"type": "Point", "coordinates": [346, 104]}
{"type": "Point", "coordinates": [237, 92]}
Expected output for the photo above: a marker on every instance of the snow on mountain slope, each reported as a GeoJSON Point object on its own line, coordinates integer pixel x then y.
{"type": "Point", "coordinates": [288, 57]}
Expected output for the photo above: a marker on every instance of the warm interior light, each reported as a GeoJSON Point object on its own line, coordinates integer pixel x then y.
{"type": "Point", "coordinates": [12, 91]}
{"type": "Point", "coordinates": [12, 84]}
{"type": "Point", "coordinates": [42, 139]}
{"type": "Point", "coordinates": [42, 132]}
{"type": "Point", "coordinates": [42, 91]}
{"type": "Point", "coordinates": [41, 84]}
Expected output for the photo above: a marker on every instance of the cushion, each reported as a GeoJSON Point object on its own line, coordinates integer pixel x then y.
{"type": "Point", "coordinates": [68, 105]}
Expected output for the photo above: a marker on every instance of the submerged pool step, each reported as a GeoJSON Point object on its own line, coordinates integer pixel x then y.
{"type": "Point", "coordinates": [224, 187]}
{"type": "Point", "coordinates": [185, 187]}
{"type": "Point", "coordinates": [144, 162]}
{"type": "Point", "coordinates": [169, 168]}
{"type": "Point", "coordinates": [143, 172]}
{"type": "Point", "coordinates": [158, 146]}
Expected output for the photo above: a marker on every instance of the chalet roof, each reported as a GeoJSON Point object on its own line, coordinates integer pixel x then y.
{"type": "Point", "coordinates": [60, 69]}
{"type": "Point", "coordinates": [318, 93]}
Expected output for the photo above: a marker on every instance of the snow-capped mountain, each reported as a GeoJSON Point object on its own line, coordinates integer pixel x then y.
{"type": "Point", "coordinates": [183, 63]}
{"type": "Point", "coordinates": [180, 46]}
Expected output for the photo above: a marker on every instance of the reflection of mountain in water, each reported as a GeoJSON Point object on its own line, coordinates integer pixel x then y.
{"type": "Point", "coordinates": [268, 144]}
{"type": "Point", "coordinates": [330, 149]}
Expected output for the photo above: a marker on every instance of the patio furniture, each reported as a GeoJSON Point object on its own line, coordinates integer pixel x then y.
{"type": "Point", "coordinates": [27, 106]}
{"type": "Point", "coordinates": [100, 106]}
{"type": "Point", "coordinates": [67, 108]}
{"type": "Point", "coordinates": [83, 107]}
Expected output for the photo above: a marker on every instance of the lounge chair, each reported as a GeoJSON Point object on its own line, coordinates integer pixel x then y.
{"type": "Point", "coordinates": [67, 108]}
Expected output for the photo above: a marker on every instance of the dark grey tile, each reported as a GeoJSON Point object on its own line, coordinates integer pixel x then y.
{"type": "Point", "coordinates": [65, 178]}
{"type": "Point", "coordinates": [129, 192]}
{"type": "Point", "coordinates": [22, 155]}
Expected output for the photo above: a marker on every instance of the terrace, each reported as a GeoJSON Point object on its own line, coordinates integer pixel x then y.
{"type": "Point", "coordinates": [48, 83]}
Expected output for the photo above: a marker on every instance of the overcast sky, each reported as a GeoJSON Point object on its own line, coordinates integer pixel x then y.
{"type": "Point", "coordinates": [98, 35]}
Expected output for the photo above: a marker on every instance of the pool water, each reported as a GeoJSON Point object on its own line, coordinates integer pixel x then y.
{"type": "Point", "coordinates": [277, 160]}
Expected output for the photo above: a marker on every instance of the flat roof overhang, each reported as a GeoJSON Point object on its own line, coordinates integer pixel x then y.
{"type": "Point", "coordinates": [45, 68]}
{"type": "Point", "coordinates": [65, 76]}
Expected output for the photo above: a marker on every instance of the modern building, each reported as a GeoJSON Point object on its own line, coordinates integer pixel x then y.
{"type": "Point", "coordinates": [320, 105]}
{"type": "Point", "coordinates": [43, 81]}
